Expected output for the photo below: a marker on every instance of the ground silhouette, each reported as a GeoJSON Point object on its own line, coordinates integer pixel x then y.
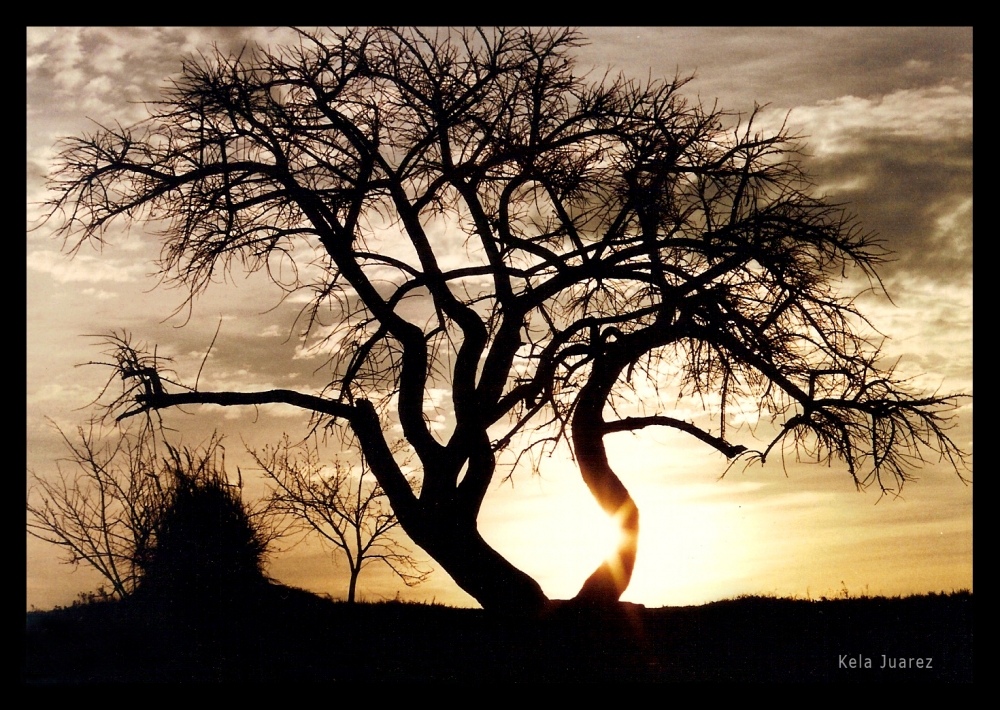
{"type": "Point", "coordinates": [278, 633]}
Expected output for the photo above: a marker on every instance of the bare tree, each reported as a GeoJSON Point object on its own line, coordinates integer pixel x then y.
{"type": "Point", "coordinates": [614, 236]}
{"type": "Point", "coordinates": [341, 503]}
{"type": "Point", "coordinates": [101, 506]}
{"type": "Point", "coordinates": [106, 502]}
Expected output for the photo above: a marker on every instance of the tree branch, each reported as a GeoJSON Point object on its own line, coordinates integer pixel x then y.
{"type": "Point", "coordinates": [633, 423]}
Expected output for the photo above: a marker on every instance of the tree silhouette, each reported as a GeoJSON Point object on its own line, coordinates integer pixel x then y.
{"type": "Point", "coordinates": [346, 508]}
{"type": "Point", "coordinates": [102, 505]}
{"type": "Point", "coordinates": [550, 249]}
{"type": "Point", "coordinates": [208, 546]}
{"type": "Point", "coordinates": [120, 504]}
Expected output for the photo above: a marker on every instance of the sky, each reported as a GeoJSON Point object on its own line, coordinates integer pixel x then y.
{"type": "Point", "coordinates": [885, 116]}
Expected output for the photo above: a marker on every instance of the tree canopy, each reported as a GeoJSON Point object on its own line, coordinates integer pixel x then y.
{"type": "Point", "coordinates": [470, 213]}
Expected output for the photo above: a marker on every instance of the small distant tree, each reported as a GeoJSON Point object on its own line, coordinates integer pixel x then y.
{"type": "Point", "coordinates": [101, 505]}
{"type": "Point", "coordinates": [343, 504]}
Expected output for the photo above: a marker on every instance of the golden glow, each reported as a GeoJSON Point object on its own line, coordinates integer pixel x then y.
{"type": "Point", "coordinates": [702, 538]}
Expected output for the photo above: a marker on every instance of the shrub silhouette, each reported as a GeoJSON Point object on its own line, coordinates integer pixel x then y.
{"type": "Point", "coordinates": [206, 546]}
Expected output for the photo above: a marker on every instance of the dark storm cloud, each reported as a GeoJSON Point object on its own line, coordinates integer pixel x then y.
{"type": "Point", "coordinates": [915, 193]}
{"type": "Point", "coordinates": [886, 113]}
{"type": "Point", "coordinates": [785, 66]}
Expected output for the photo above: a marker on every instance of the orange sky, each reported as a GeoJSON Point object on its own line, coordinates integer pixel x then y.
{"type": "Point", "coordinates": [888, 115]}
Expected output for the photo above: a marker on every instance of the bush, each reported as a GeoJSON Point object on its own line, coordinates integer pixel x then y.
{"type": "Point", "coordinates": [206, 543]}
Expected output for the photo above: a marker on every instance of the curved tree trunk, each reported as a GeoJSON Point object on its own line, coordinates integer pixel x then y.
{"type": "Point", "coordinates": [475, 566]}
{"type": "Point", "coordinates": [442, 521]}
{"type": "Point", "coordinates": [609, 581]}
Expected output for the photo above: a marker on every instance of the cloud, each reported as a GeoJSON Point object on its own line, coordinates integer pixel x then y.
{"type": "Point", "coordinates": [98, 294]}
{"type": "Point", "coordinates": [62, 394]}
{"type": "Point", "coordinates": [83, 267]}
{"type": "Point", "coordinates": [930, 323]}
{"type": "Point", "coordinates": [785, 66]}
{"type": "Point", "coordinates": [942, 113]}
{"type": "Point", "coordinates": [100, 69]}
{"type": "Point", "coordinates": [273, 331]}
{"type": "Point", "coordinates": [886, 114]}
{"type": "Point", "coordinates": [33, 62]}
{"type": "Point", "coordinates": [902, 163]}
{"type": "Point", "coordinates": [915, 193]}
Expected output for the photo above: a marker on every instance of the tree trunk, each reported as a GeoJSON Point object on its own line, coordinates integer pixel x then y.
{"type": "Point", "coordinates": [476, 567]}
{"type": "Point", "coordinates": [353, 586]}
{"type": "Point", "coordinates": [442, 521]}
{"type": "Point", "coordinates": [609, 581]}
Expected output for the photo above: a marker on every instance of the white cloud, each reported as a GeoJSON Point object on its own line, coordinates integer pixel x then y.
{"type": "Point", "coordinates": [65, 395]}
{"type": "Point", "coordinates": [83, 267]}
{"type": "Point", "coordinates": [931, 330]}
{"type": "Point", "coordinates": [37, 36]}
{"type": "Point", "coordinates": [33, 62]}
{"type": "Point", "coordinates": [937, 113]}
{"type": "Point", "coordinates": [99, 294]}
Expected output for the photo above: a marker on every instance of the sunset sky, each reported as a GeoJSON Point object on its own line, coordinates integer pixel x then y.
{"type": "Point", "coordinates": [886, 116]}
